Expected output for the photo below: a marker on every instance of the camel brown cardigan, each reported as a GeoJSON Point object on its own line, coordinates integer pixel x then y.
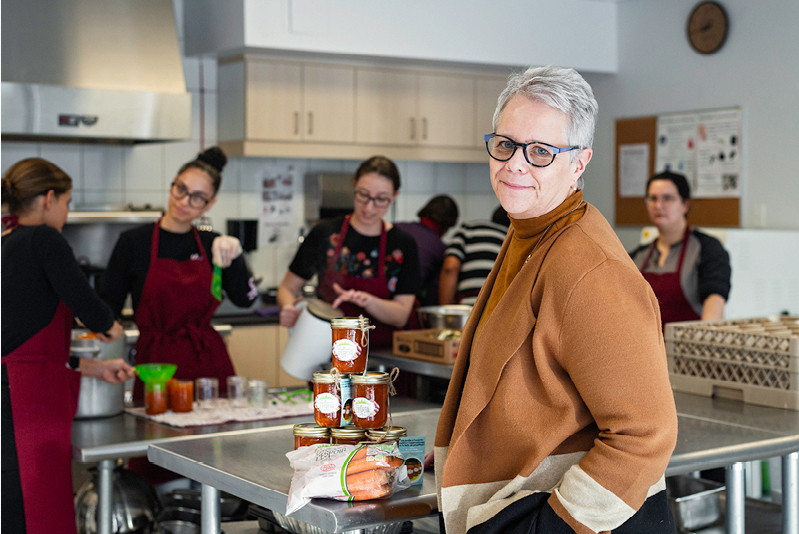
{"type": "Point", "coordinates": [565, 390]}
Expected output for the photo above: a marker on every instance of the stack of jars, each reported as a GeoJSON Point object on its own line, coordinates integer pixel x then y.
{"type": "Point", "coordinates": [348, 400]}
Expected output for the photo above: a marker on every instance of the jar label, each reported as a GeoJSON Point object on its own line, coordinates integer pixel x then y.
{"type": "Point", "coordinates": [346, 350]}
{"type": "Point", "coordinates": [327, 403]}
{"type": "Point", "coordinates": [363, 407]}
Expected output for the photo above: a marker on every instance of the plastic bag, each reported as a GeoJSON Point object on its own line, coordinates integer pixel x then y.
{"type": "Point", "coordinates": [345, 473]}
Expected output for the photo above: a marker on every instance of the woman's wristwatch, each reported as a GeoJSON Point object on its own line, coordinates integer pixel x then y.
{"type": "Point", "coordinates": [74, 363]}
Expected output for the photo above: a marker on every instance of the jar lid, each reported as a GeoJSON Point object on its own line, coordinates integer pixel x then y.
{"type": "Point", "coordinates": [350, 322]}
{"type": "Point", "coordinates": [370, 378]}
{"type": "Point", "coordinates": [394, 432]}
{"type": "Point", "coordinates": [323, 310]}
{"type": "Point", "coordinates": [327, 377]}
{"type": "Point", "coordinates": [349, 431]}
{"type": "Point", "coordinates": [310, 430]}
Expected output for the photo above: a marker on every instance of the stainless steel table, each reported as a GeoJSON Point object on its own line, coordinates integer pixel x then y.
{"type": "Point", "coordinates": [712, 433]}
{"type": "Point", "coordinates": [125, 436]}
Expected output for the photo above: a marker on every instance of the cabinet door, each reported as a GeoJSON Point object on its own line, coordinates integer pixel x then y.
{"type": "Point", "coordinates": [329, 103]}
{"type": "Point", "coordinates": [446, 110]}
{"type": "Point", "coordinates": [385, 107]}
{"type": "Point", "coordinates": [488, 90]}
{"type": "Point", "coordinates": [252, 349]}
{"type": "Point", "coordinates": [274, 100]}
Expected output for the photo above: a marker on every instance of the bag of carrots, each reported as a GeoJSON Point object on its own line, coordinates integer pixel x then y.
{"type": "Point", "coordinates": [345, 473]}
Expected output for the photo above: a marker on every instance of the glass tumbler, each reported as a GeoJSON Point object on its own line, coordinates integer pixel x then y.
{"type": "Point", "coordinates": [237, 391]}
{"type": "Point", "coordinates": [259, 395]}
{"type": "Point", "coordinates": [206, 391]}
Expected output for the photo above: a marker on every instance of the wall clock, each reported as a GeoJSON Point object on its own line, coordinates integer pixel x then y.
{"type": "Point", "coordinates": [707, 27]}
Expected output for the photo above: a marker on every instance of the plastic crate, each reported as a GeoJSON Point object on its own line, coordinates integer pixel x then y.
{"type": "Point", "coordinates": [755, 360]}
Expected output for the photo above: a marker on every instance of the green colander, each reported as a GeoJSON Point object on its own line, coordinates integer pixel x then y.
{"type": "Point", "coordinates": [156, 372]}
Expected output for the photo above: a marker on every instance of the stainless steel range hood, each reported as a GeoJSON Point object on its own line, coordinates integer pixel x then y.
{"type": "Point", "coordinates": [92, 70]}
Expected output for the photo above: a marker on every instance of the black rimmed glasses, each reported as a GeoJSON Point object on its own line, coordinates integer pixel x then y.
{"type": "Point", "coordinates": [196, 200]}
{"type": "Point", "coordinates": [537, 154]}
{"type": "Point", "coordinates": [363, 198]}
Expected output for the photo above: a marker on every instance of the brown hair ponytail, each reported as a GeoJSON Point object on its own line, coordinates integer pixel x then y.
{"type": "Point", "coordinates": [29, 178]}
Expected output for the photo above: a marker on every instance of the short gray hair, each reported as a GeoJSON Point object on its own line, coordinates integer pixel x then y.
{"type": "Point", "coordinates": [559, 88]}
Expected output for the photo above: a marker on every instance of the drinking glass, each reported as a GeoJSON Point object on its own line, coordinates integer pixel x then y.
{"type": "Point", "coordinates": [237, 391]}
{"type": "Point", "coordinates": [207, 391]}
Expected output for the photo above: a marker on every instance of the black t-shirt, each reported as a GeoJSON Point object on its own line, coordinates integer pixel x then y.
{"type": "Point", "coordinates": [359, 255]}
{"type": "Point", "coordinates": [38, 271]}
{"type": "Point", "coordinates": [130, 261]}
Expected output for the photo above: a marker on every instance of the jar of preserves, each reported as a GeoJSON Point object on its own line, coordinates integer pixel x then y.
{"type": "Point", "coordinates": [350, 343]}
{"type": "Point", "coordinates": [155, 398]}
{"type": "Point", "coordinates": [181, 395]}
{"type": "Point", "coordinates": [306, 434]}
{"type": "Point", "coordinates": [370, 399]}
{"type": "Point", "coordinates": [332, 399]}
{"type": "Point", "coordinates": [388, 433]}
{"type": "Point", "coordinates": [348, 435]}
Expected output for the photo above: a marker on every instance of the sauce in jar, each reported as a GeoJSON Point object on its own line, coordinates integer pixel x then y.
{"type": "Point", "coordinates": [350, 343]}
{"type": "Point", "coordinates": [348, 435]}
{"type": "Point", "coordinates": [387, 433]}
{"type": "Point", "coordinates": [332, 399]}
{"type": "Point", "coordinates": [306, 434]}
{"type": "Point", "coordinates": [155, 398]}
{"type": "Point", "coordinates": [370, 399]}
{"type": "Point", "coordinates": [181, 395]}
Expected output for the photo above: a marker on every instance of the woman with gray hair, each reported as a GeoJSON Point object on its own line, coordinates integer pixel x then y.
{"type": "Point", "coordinates": [559, 416]}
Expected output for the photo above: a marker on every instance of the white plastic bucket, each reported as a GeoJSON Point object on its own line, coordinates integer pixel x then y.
{"type": "Point", "coordinates": [310, 340]}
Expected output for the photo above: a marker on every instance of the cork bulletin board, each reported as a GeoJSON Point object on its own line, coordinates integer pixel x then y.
{"type": "Point", "coordinates": [631, 211]}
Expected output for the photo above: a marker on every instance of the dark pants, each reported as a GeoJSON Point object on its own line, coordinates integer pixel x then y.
{"type": "Point", "coordinates": [13, 508]}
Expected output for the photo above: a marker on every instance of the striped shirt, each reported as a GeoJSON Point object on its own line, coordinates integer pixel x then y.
{"type": "Point", "coordinates": [476, 244]}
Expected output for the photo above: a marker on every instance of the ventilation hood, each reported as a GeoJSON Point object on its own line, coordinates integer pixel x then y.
{"type": "Point", "coordinates": [92, 70]}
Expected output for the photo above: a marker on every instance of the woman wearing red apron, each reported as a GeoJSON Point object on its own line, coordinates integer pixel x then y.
{"type": "Point", "coordinates": [42, 285]}
{"type": "Point", "coordinates": [365, 266]}
{"type": "Point", "coordinates": [688, 270]}
{"type": "Point", "coordinates": [168, 269]}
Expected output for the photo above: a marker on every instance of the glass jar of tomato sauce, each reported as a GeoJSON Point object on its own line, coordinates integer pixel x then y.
{"type": "Point", "coordinates": [370, 399]}
{"type": "Point", "coordinates": [332, 399]}
{"type": "Point", "coordinates": [347, 435]}
{"type": "Point", "coordinates": [156, 397]}
{"type": "Point", "coordinates": [306, 434]}
{"type": "Point", "coordinates": [387, 433]}
{"type": "Point", "coordinates": [350, 343]}
{"type": "Point", "coordinates": [181, 395]}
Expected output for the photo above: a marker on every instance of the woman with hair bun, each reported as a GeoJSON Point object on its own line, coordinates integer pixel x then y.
{"type": "Point", "coordinates": [168, 267]}
{"type": "Point", "coordinates": [42, 286]}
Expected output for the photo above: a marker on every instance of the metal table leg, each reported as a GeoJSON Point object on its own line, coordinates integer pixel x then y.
{"type": "Point", "coordinates": [105, 488]}
{"type": "Point", "coordinates": [211, 513]}
{"type": "Point", "coordinates": [790, 493]}
{"type": "Point", "coordinates": [736, 498]}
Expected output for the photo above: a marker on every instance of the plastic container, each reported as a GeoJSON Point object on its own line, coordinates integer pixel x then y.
{"type": "Point", "coordinates": [754, 360]}
{"type": "Point", "coordinates": [306, 434]}
{"type": "Point", "coordinates": [350, 343]}
{"type": "Point", "coordinates": [370, 399]}
{"type": "Point", "coordinates": [332, 399]}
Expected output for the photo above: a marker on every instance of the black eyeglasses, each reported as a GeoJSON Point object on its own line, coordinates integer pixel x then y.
{"type": "Point", "coordinates": [364, 198]}
{"type": "Point", "coordinates": [196, 200]}
{"type": "Point", "coordinates": [537, 154]}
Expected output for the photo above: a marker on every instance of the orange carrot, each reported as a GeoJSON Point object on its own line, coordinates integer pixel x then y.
{"type": "Point", "coordinates": [371, 493]}
{"type": "Point", "coordinates": [366, 480]}
{"type": "Point", "coordinates": [372, 462]}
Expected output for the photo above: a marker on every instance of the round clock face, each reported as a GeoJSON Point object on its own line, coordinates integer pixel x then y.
{"type": "Point", "coordinates": [707, 27]}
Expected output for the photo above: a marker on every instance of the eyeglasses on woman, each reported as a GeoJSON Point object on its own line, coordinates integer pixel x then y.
{"type": "Point", "coordinates": [196, 200]}
{"type": "Point", "coordinates": [537, 154]}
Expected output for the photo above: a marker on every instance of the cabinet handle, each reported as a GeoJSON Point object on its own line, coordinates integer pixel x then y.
{"type": "Point", "coordinates": [413, 128]}
{"type": "Point", "coordinates": [310, 123]}
{"type": "Point", "coordinates": [424, 128]}
{"type": "Point", "coordinates": [296, 123]}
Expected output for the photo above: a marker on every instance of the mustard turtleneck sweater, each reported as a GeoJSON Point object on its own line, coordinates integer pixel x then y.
{"type": "Point", "coordinates": [527, 234]}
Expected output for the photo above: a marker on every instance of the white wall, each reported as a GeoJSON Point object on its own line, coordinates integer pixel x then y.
{"type": "Point", "coordinates": [757, 69]}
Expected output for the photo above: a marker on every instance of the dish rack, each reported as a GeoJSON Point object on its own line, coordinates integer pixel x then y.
{"type": "Point", "coordinates": [754, 360]}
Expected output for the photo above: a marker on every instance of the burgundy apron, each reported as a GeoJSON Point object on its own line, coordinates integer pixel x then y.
{"type": "Point", "coordinates": [383, 334]}
{"type": "Point", "coordinates": [174, 319]}
{"type": "Point", "coordinates": [44, 399]}
{"type": "Point", "coordinates": [674, 306]}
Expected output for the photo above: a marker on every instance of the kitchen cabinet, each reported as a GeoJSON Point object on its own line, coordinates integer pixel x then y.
{"type": "Point", "coordinates": [255, 351]}
{"type": "Point", "coordinates": [326, 109]}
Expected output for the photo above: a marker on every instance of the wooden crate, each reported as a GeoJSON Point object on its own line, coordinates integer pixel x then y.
{"type": "Point", "coordinates": [423, 345]}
